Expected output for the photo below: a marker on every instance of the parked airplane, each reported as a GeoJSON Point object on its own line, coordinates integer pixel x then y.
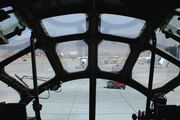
{"type": "Point", "coordinates": [159, 61]}
{"type": "Point", "coordinates": [145, 58]}
{"type": "Point", "coordinates": [82, 60]}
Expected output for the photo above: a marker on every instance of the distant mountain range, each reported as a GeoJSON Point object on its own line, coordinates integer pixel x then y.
{"type": "Point", "coordinates": [15, 45]}
{"type": "Point", "coordinates": [106, 47]}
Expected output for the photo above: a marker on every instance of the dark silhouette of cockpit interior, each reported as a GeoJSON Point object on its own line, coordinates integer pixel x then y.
{"type": "Point", "coordinates": [132, 42]}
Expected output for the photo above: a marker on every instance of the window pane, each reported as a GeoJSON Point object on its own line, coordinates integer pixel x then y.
{"type": "Point", "coordinates": [121, 25]}
{"type": "Point", "coordinates": [22, 68]}
{"type": "Point", "coordinates": [73, 55]}
{"type": "Point", "coordinates": [114, 104]}
{"type": "Point", "coordinates": [8, 94]}
{"type": "Point", "coordinates": [173, 26]}
{"type": "Point", "coordinates": [7, 8]}
{"type": "Point", "coordinates": [69, 104]}
{"type": "Point", "coordinates": [173, 97]}
{"type": "Point", "coordinates": [16, 44]}
{"type": "Point", "coordinates": [164, 70]}
{"type": "Point", "coordinates": [65, 25]}
{"type": "Point", "coordinates": [112, 55]}
{"type": "Point", "coordinates": [168, 45]}
{"type": "Point", "coordinates": [9, 25]}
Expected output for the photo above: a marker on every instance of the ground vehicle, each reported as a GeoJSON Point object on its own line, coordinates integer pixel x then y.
{"type": "Point", "coordinates": [114, 84]}
{"type": "Point", "coordinates": [116, 68]}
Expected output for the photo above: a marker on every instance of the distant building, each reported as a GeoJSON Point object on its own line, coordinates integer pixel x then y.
{"type": "Point", "coordinates": [73, 53]}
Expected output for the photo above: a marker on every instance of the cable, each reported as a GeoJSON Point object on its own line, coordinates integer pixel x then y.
{"type": "Point", "coordinates": [47, 96]}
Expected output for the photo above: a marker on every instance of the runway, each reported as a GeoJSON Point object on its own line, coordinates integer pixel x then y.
{"type": "Point", "coordinates": [72, 103]}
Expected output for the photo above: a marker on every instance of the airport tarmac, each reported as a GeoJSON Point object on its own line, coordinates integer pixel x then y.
{"type": "Point", "coordinates": [72, 103]}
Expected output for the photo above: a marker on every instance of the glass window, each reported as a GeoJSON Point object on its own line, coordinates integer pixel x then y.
{"type": "Point", "coordinates": [164, 70]}
{"type": "Point", "coordinates": [8, 94]}
{"type": "Point", "coordinates": [10, 24]}
{"type": "Point", "coordinates": [73, 102]}
{"type": "Point", "coordinates": [173, 26]}
{"type": "Point", "coordinates": [73, 55]}
{"type": "Point", "coordinates": [24, 71]}
{"type": "Point", "coordinates": [113, 103]}
{"type": "Point", "coordinates": [140, 71]}
{"type": "Point", "coordinates": [16, 44]}
{"type": "Point", "coordinates": [7, 8]}
{"type": "Point", "coordinates": [168, 45]}
{"type": "Point", "coordinates": [173, 97]}
{"type": "Point", "coordinates": [69, 104]}
{"type": "Point", "coordinates": [121, 25]}
{"type": "Point", "coordinates": [112, 55]}
{"type": "Point", "coordinates": [178, 9]}
{"type": "Point", "coordinates": [65, 25]}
